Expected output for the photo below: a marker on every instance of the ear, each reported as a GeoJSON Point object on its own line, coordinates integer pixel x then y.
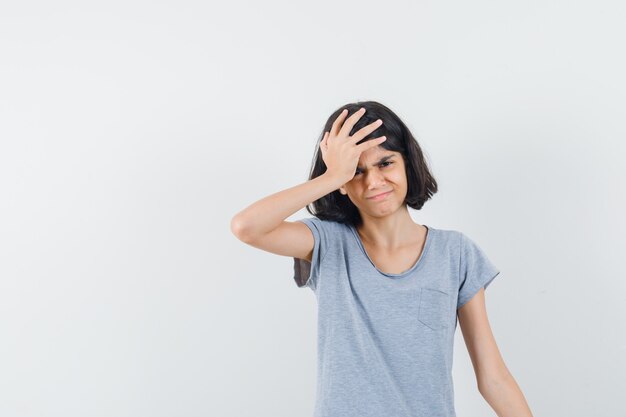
{"type": "Point", "coordinates": [342, 190]}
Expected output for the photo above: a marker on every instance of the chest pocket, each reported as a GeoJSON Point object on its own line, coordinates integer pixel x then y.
{"type": "Point", "coordinates": [434, 307]}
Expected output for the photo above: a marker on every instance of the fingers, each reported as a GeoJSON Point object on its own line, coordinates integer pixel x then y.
{"type": "Point", "coordinates": [372, 143]}
{"type": "Point", "coordinates": [338, 121]}
{"type": "Point", "coordinates": [366, 130]}
{"type": "Point", "coordinates": [351, 121]}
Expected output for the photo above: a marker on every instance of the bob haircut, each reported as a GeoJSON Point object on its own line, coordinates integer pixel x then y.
{"type": "Point", "coordinates": [421, 184]}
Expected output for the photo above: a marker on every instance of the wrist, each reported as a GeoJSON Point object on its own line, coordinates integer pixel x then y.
{"type": "Point", "coordinates": [335, 179]}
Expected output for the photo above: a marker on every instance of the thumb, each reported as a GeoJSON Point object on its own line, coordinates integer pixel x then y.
{"type": "Point", "coordinates": [324, 142]}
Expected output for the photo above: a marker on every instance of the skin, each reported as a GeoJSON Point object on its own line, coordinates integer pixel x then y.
{"type": "Point", "coordinates": [386, 222]}
{"type": "Point", "coordinates": [390, 236]}
{"type": "Point", "coordinates": [495, 382]}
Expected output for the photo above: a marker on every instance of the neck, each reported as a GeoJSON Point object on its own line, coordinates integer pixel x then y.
{"type": "Point", "coordinates": [391, 231]}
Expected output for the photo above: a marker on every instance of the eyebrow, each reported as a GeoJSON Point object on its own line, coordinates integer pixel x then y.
{"type": "Point", "coordinates": [383, 159]}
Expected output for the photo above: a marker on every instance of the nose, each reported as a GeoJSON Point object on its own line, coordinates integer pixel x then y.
{"type": "Point", "coordinates": [375, 180]}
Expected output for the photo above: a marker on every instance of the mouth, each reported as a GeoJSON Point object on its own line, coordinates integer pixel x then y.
{"type": "Point", "coordinates": [379, 196]}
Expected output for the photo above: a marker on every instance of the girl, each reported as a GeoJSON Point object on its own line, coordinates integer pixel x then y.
{"type": "Point", "coordinates": [388, 290]}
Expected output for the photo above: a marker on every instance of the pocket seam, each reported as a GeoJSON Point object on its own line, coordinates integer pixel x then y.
{"type": "Point", "coordinates": [440, 323]}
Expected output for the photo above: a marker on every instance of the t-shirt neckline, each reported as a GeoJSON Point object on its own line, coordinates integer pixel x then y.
{"type": "Point", "coordinates": [415, 266]}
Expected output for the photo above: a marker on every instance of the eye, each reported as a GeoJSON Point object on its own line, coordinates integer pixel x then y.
{"type": "Point", "coordinates": [382, 164]}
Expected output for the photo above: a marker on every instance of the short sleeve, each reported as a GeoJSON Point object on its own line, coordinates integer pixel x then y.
{"type": "Point", "coordinates": [306, 274]}
{"type": "Point", "coordinates": [476, 270]}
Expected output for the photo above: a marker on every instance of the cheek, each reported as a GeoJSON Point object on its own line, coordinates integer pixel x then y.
{"type": "Point", "coordinates": [399, 177]}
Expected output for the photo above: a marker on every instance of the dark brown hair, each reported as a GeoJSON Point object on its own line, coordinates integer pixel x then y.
{"type": "Point", "coordinates": [420, 182]}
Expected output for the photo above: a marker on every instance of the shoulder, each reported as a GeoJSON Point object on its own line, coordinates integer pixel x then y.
{"type": "Point", "coordinates": [449, 237]}
{"type": "Point", "coordinates": [327, 230]}
{"type": "Point", "coordinates": [457, 239]}
{"type": "Point", "coordinates": [321, 224]}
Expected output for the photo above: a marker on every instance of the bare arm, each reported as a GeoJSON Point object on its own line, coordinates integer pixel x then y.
{"type": "Point", "coordinates": [506, 399]}
{"type": "Point", "coordinates": [267, 214]}
{"type": "Point", "coordinates": [495, 382]}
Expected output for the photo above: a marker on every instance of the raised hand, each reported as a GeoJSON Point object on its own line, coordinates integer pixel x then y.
{"type": "Point", "coordinates": [340, 151]}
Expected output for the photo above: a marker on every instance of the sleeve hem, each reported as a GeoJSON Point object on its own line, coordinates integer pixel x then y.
{"type": "Point", "coordinates": [303, 269]}
{"type": "Point", "coordinates": [471, 295]}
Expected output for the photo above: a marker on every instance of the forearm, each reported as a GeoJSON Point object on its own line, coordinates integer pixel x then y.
{"type": "Point", "coordinates": [268, 213]}
{"type": "Point", "coordinates": [506, 398]}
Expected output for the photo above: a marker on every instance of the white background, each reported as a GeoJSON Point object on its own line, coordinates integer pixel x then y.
{"type": "Point", "coordinates": [132, 131]}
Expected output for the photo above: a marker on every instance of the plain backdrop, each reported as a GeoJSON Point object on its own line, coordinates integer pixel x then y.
{"type": "Point", "coordinates": [131, 132]}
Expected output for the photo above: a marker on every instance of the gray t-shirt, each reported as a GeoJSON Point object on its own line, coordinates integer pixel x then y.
{"type": "Point", "coordinates": [385, 340]}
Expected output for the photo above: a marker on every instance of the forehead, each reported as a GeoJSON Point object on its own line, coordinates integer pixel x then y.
{"type": "Point", "coordinates": [374, 155]}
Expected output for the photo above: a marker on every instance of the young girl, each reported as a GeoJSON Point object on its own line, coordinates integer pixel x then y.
{"type": "Point", "coordinates": [388, 289]}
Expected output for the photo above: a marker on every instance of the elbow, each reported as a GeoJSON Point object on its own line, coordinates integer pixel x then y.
{"type": "Point", "coordinates": [242, 229]}
{"type": "Point", "coordinates": [238, 228]}
{"type": "Point", "coordinates": [489, 385]}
